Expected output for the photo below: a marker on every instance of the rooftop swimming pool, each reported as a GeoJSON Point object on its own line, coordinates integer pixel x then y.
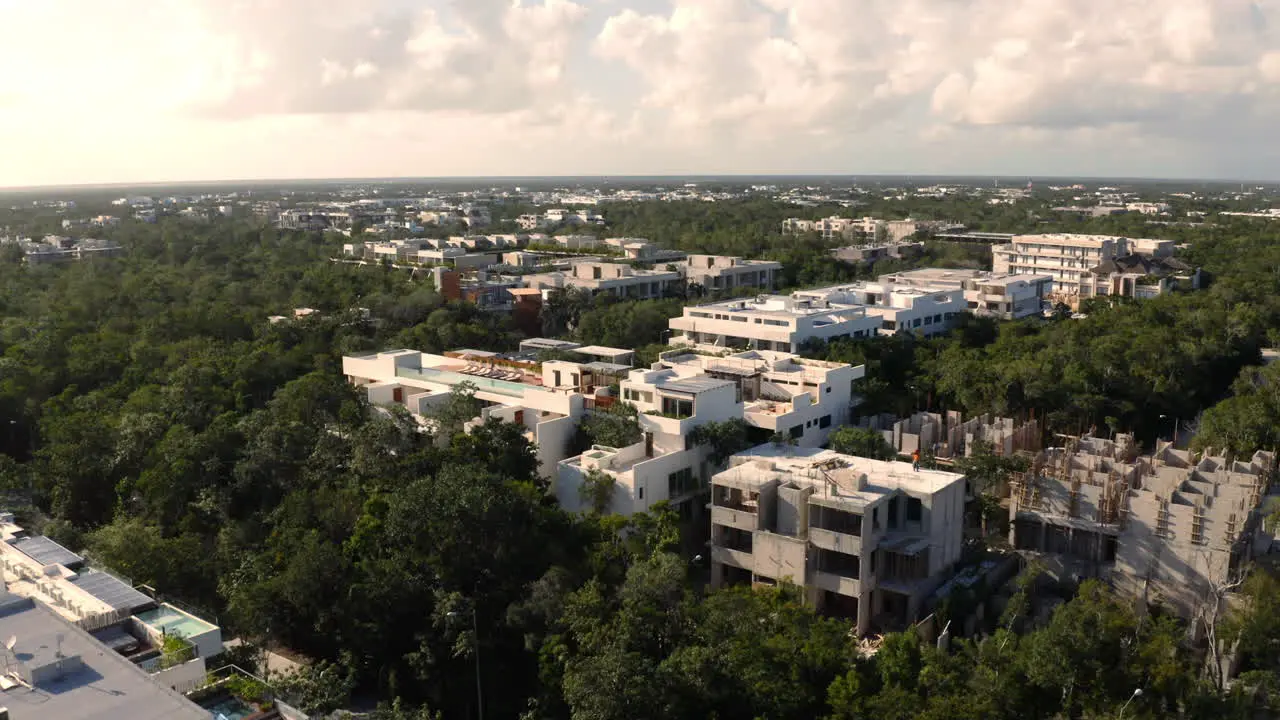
{"type": "Point", "coordinates": [229, 708]}
{"type": "Point", "coordinates": [172, 621]}
{"type": "Point", "coordinates": [448, 377]}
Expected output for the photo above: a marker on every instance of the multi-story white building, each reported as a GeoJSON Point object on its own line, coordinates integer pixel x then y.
{"type": "Point", "coordinates": [547, 399]}
{"type": "Point", "coordinates": [849, 228]}
{"type": "Point", "coordinates": [1007, 297]}
{"type": "Point", "coordinates": [900, 309]}
{"type": "Point", "coordinates": [619, 280]}
{"type": "Point", "coordinates": [1084, 266]}
{"type": "Point", "coordinates": [774, 393]}
{"type": "Point", "coordinates": [718, 272]}
{"type": "Point", "coordinates": [104, 630]}
{"type": "Point", "coordinates": [1064, 257]}
{"type": "Point", "coordinates": [865, 538]}
{"type": "Point", "coordinates": [781, 393]}
{"type": "Point", "coordinates": [665, 465]}
{"type": "Point", "coordinates": [771, 322]}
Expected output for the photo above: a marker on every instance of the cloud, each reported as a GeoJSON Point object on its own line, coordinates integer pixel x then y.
{"type": "Point", "coordinates": [486, 56]}
{"type": "Point", "coordinates": [242, 87]}
{"type": "Point", "coordinates": [832, 65]}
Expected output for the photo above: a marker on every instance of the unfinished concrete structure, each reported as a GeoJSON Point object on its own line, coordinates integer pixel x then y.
{"type": "Point", "coordinates": [950, 436]}
{"type": "Point", "coordinates": [867, 539]}
{"type": "Point", "coordinates": [1171, 527]}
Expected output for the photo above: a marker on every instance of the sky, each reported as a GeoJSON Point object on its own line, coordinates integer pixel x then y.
{"type": "Point", "coordinates": [100, 91]}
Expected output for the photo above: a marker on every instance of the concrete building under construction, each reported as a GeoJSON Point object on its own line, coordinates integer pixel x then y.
{"type": "Point", "coordinates": [949, 436]}
{"type": "Point", "coordinates": [1170, 527]}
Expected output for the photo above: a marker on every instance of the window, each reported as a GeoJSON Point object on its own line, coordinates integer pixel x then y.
{"type": "Point", "coordinates": [927, 321]}
{"type": "Point", "coordinates": [916, 323]}
{"type": "Point", "coordinates": [915, 510]}
{"type": "Point", "coordinates": [677, 407]}
{"type": "Point", "coordinates": [797, 431]}
{"type": "Point", "coordinates": [828, 390]}
{"type": "Point", "coordinates": [825, 422]}
{"type": "Point", "coordinates": [640, 492]}
{"type": "Point", "coordinates": [681, 482]}
{"type": "Point", "coordinates": [937, 318]}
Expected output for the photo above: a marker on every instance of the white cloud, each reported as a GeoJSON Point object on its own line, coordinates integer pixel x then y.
{"type": "Point", "coordinates": [1037, 63]}
{"type": "Point", "coordinates": [567, 86]}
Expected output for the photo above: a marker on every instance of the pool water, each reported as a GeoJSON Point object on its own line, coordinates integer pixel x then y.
{"type": "Point", "coordinates": [229, 709]}
{"type": "Point", "coordinates": [171, 621]}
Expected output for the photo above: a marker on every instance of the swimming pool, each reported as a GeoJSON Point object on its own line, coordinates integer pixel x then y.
{"type": "Point", "coordinates": [229, 708]}
{"type": "Point", "coordinates": [170, 621]}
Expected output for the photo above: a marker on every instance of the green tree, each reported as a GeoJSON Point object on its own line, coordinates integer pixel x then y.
{"type": "Point", "coordinates": [618, 426]}
{"type": "Point", "coordinates": [862, 442]}
{"type": "Point", "coordinates": [723, 438]}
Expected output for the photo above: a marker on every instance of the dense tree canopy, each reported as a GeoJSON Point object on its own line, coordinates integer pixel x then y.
{"type": "Point", "coordinates": [151, 414]}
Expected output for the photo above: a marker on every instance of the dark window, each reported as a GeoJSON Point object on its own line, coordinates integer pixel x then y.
{"type": "Point", "coordinates": [681, 482]}
{"type": "Point", "coordinates": [915, 510]}
{"type": "Point", "coordinates": [797, 431]}
{"type": "Point", "coordinates": [825, 422]}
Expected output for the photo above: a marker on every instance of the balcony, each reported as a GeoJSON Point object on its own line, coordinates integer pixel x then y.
{"type": "Point", "coordinates": [838, 584]}
{"type": "Point", "coordinates": [834, 541]}
{"type": "Point", "coordinates": [735, 558]}
{"type": "Point", "coordinates": [735, 517]}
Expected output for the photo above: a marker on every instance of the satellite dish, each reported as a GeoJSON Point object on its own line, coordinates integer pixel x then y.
{"type": "Point", "coordinates": [11, 643]}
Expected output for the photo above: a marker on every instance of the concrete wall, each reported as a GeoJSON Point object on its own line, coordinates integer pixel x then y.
{"type": "Point", "coordinates": [779, 557]}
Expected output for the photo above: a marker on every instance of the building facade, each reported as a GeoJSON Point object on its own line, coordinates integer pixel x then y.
{"type": "Point", "coordinates": [715, 273]}
{"type": "Point", "coordinates": [771, 322]}
{"type": "Point", "coordinates": [900, 309]}
{"type": "Point", "coordinates": [774, 393]}
{"type": "Point", "coordinates": [622, 281]}
{"type": "Point", "coordinates": [867, 539]}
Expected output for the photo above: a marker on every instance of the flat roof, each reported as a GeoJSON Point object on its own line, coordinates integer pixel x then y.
{"type": "Point", "coordinates": [604, 352]}
{"type": "Point", "coordinates": [107, 686]}
{"type": "Point", "coordinates": [605, 367]}
{"type": "Point", "coordinates": [46, 552]}
{"type": "Point", "coordinates": [693, 385]}
{"type": "Point", "coordinates": [111, 590]}
{"type": "Point", "coordinates": [548, 342]}
{"type": "Point", "coordinates": [883, 476]}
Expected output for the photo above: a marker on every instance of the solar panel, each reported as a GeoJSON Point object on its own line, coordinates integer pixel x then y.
{"type": "Point", "coordinates": [47, 552]}
{"type": "Point", "coordinates": [111, 590]}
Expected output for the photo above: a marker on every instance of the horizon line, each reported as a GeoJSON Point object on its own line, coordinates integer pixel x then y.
{"type": "Point", "coordinates": [854, 177]}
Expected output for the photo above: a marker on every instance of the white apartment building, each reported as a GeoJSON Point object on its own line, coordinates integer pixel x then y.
{"type": "Point", "coordinates": [900, 309]}
{"type": "Point", "coordinates": [771, 322]}
{"type": "Point", "coordinates": [867, 539]}
{"type": "Point", "coordinates": [1006, 297]}
{"type": "Point", "coordinates": [1065, 257]}
{"type": "Point", "coordinates": [781, 393]}
{"type": "Point", "coordinates": [619, 280]}
{"type": "Point", "coordinates": [106, 616]}
{"type": "Point", "coordinates": [548, 400]}
{"type": "Point", "coordinates": [773, 392]}
{"type": "Point", "coordinates": [1072, 261]}
{"type": "Point", "coordinates": [665, 465]}
{"type": "Point", "coordinates": [867, 227]}
{"type": "Point", "coordinates": [720, 272]}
